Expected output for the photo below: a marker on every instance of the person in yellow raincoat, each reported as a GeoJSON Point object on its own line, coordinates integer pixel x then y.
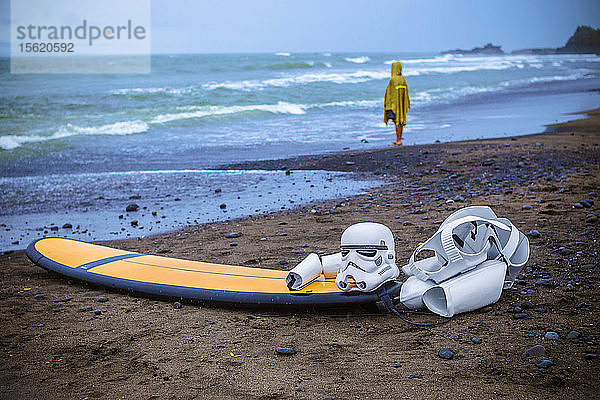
{"type": "Point", "coordinates": [396, 102]}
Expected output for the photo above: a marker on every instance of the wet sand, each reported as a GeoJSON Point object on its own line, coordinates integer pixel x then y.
{"type": "Point", "coordinates": [55, 347]}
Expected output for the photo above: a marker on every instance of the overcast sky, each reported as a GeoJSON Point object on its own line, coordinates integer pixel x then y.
{"type": "Point", "coordinates": [209, 26]}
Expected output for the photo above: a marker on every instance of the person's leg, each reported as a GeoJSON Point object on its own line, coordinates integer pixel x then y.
{"type": "Point", "coordinates": [399, 129]}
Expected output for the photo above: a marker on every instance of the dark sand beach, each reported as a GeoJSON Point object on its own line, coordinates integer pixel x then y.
{"type": "Point", "coordinates": [55, 347]}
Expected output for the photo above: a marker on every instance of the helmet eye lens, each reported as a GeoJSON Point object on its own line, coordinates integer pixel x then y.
{"type": "Point", "coordinates": [367, 253]}
{"type": "Point", "coordinates": [345, 253]}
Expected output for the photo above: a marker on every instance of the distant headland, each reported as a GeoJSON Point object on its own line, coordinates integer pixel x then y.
{"type": "Point", "coordinates": [585, 40]}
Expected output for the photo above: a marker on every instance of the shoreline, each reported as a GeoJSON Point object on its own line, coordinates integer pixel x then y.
{"type": "Point", "coordinates": [143, 346]}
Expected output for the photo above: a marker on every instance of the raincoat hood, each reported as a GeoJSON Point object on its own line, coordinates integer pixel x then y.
{"type": "Point", "coordinates": [396, 95]}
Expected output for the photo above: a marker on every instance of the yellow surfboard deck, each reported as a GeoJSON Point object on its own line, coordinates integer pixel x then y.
{"type": "Point", "coordinates": [171, 277]}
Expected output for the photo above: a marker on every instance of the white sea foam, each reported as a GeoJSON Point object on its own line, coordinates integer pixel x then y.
{"type": "Point", "coordinates": [152, 90]}
{"type": "Point", "coordinates": [9, 142]}
{"type": "Point", "coordinates": [284, 54]}
{"type": "Point", "coordinates": [303, 79]}
{"type": "Point", "coordinates": [327, 54]}
{"type": "Point", "coordinates": [357, 60]}
{"type": "Point", "coordinates": [207, 111]}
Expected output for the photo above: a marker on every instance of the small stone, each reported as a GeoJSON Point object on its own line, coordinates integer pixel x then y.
{"type": "Point", "coordinates": [38, 296]}
{"type": "Point", "coordinates": [177, 305]}
{"type": "Point", "coordinates": [476, 340]}
{"type": "Point", "coordinates": [590, 356]}
{"type": "Point", "coordinates": [233, 244]}
{"type": "Point", "coordinates": [350, 163]}
{"type": "Point", "coordinates": [526, 207]}
{"type": "Point", "coordinates": [527, 305]}
{"type": "Point", "coordinates": [283, 261]}
{"type": "Point", "coordinates": [591, 219]}
{"type": "Point", "coordinates": [218, 190]}
{"type": "Point", "coordinates": [305, 245]}
{"type": "Point", "coordinates": [535, 351]}
{"type": "Point", "coordinates": [233, 235]}
{"type": "Point", "coordinates": [102, 299]}
{"type": "Point", "coordinates": [132, 207]}
{"type": "Point", "coordinates": [573, 335]}
{"type": "Point", "coordinates": [564, 251]}
{"type": "Point", "coordinates": [54, 228]}
{"type": "Point", "coordinates": [578, 205]}
{"type": "Point", "coordinates": [285, 351]}
{"type": "Point", "coordinates": [134, 222]}
{"type": "Point", "coordinates": [397, 365]}
{"type": "Point", "coordinates": [534, 234]}
{"type": "Point", "coordinates": [551, 336]}
{"type": "Point", "coordinates": [223, 206]}
{"type": "Point", "coordinates": [585, 203]}
{"type": "Point", "coordinates": [446, 354]}
{"type": "Point", "coordinates": [97, 312]}
{"type": "Point", "coordinates": [67, 226]}
{"type": "Point", "coordinates": [545, 282]}
{"type": "Point", "coordinates": [135, 197]}
{"type": "Point", "coordinates": [520, 315]}
{"type": "Point", "coordinates": [543, 364]}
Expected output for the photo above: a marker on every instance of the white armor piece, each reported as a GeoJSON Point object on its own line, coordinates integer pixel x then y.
{"type": "Point", "coordinates": [368, 257]}
{"type": "Point", "coordinates": [311, 268]}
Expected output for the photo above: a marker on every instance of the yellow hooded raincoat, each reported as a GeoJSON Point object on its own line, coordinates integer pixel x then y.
{"type": "Point", "coordinates": [396, 96]}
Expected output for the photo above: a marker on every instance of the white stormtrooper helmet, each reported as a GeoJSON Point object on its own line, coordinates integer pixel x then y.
{"type": "Point", "coordinates": [368, 257]}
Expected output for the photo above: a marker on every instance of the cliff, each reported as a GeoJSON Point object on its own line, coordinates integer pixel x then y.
{"type": "Point", "coordinates": [585, 40]}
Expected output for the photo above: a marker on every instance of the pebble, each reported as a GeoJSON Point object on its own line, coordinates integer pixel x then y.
{"type": "Point", "coordinates": [283, 261]}
{"type": "Point", "coordinates": [223, 206]}
{"type": "Point", "coordinates": [551, 336]}
{"type": "Point", "coordinates": [476, 340]}
{"type": "Point", "coordinates": [591, 219]}
{"type": "Point", "coordinates": [233, 244]}
{"type": "Point", "coordinates": [586, 203]}
{"type": "Point", "coordinates": [564, 251]}
{"type": "Point", "coordinates": [534, 234]}
{"type": "Point", "coordinates": [543, 364]}
{"type": "Point", "coordinates": [545, 282]}
{"type": "Point", "coordinates": [286, 351]}
{"type": "Point", "coordinates": [590, 356]}
{"type": "Point", "coordinates": [526, 207]}
{"type": "Point", "coordinates": [415, 376]}
{"type": "Point", "coordinates": [350, 163]}
{"type": "Point", "coordinates": [535, 351]}
{"type": "Point", "coordinates": [177, 305]}
{"type": "Point", "coordinates": [527, 305]}
{"type": "Point", "coordinates": [97, 312]}
{"type": "Point", "coordinates": [520, 315]}
{"type": "Point", "coordinates": [397, 365]}
{"type": "Point", "coordinates": [67, 226]}
{"type": "Point", "coordinates": [38, 296]}
{"type": "Point", "coordinates": [134, 222]}
{"type": "Point", "coordinates": [132, 207]}
{"type": "Point", "coordinates": [218, 190]}
{"type": "Point", "coordinates": [573, 335]}
{"type": "Point", "coordinates": [233, 235]}
{"type": "Point", "coordinates": [102, 299]}
{"type": "Point", "coordinates": [446, 354]}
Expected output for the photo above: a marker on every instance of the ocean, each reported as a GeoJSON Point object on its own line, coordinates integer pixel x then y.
{"type": "Point", "coordinates": [77, 149]}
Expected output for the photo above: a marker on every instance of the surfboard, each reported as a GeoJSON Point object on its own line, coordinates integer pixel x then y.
{"type": "Point", "coordinates": [184, 279]}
